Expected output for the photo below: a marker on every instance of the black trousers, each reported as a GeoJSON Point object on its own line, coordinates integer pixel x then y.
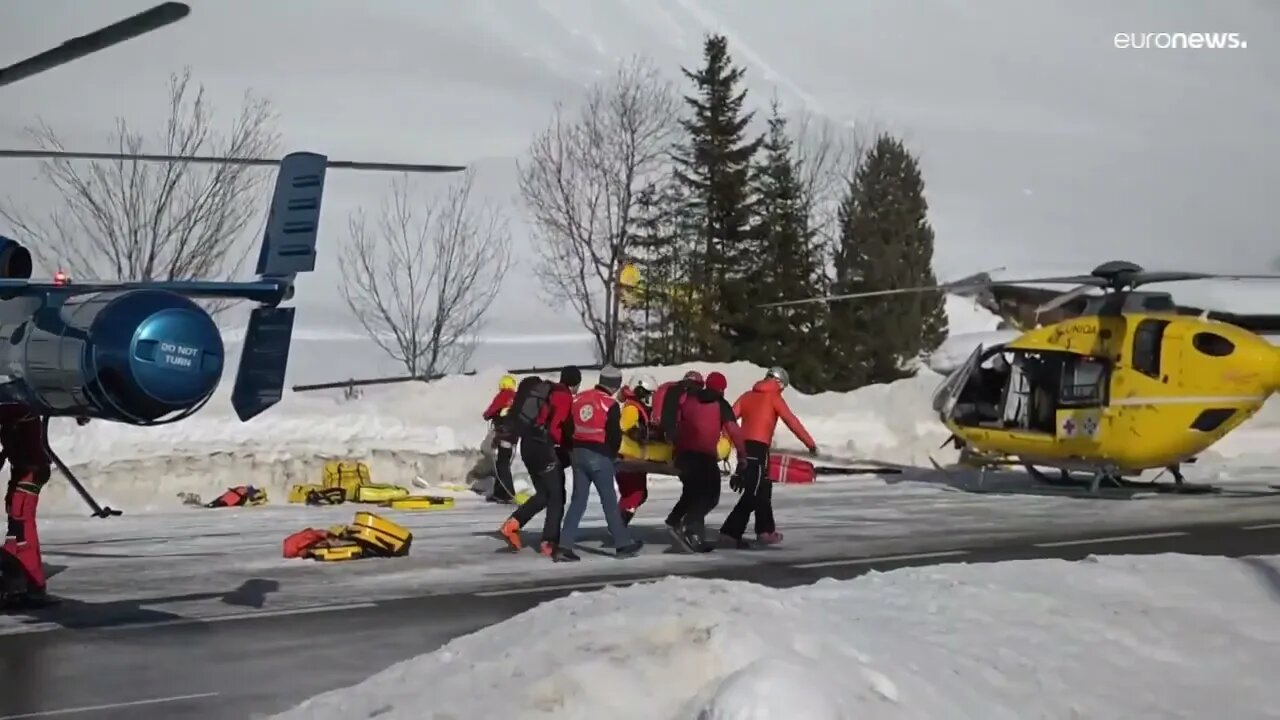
{"type": "Point", "coordinates": [503, 486]}
{"type": "Point", "coordinates": [757, 497]}
{"type": "Point", "coordinates": [546, 472]}
{"type": "Point", "coordinates": [699, 491]}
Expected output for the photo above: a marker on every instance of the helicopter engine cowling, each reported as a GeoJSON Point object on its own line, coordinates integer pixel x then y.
{"type": "Point", "coordinates": [131, 356]}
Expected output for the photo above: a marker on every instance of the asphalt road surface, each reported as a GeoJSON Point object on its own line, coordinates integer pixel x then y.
{"type": "Point", "coordinates": [267, 663]}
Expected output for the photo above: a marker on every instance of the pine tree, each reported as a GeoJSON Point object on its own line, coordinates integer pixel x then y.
{"type": "Point", "coordinates": [886, 242]}
{"type": "Point", "coordinates": [788, 266]}
{"type": "Point", "coordinates": [662, 325]}
{"type": "Point", "coordinates": [713, 165]}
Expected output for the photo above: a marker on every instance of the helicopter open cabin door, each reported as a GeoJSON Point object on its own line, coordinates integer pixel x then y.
{"type": "Point", "coordinates": [1081, 416]}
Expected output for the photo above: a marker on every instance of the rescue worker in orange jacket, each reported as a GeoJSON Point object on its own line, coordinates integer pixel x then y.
{"type": "Point", "coordinates": [633, 487]}
{"type": "Point", "coordinates": [760, 409]}
{"type": "Point", "coordinates": [22, 438]}
{"type": "Point", "coordinates": [597, 434]}
{"type": "Point", "coordinates": [503, 486]}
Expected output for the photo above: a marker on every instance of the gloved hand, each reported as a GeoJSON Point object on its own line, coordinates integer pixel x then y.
{"type": "Point", "coordinates": [736, 483]}
{"type": "Point", "coordinates": [813, 451]}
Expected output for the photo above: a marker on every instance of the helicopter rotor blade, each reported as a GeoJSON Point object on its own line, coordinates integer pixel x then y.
{"type": "Point", "coordinates": [208, 159]}
{"type": "Point", "coordinates": [1159, 276]}
{"type": "Point", "coordinates": [1066, 297]}
{"type": "Point", "coordinates": [956, 287]}
{"type": "Point", "coordinates": [101, 39]}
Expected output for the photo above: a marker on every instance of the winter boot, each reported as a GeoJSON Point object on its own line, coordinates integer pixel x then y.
{"type": "Point", "coordinates": [629, 551]}
{"type": "Point", "coordinates": [510, 531]}
{"type": "Point", "coordinates": [736, 543]}
{"type": "Point", "coordinates": [772, 538]}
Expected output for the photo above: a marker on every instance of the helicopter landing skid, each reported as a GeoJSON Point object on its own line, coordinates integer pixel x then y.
{"type": "Point", "coordinates": [1103, 480]}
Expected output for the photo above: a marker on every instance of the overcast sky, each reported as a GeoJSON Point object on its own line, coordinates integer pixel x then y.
{"type": "Point", "coordinates": [1041, 142]}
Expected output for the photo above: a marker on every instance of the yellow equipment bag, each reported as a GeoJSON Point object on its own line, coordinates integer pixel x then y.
{"type": "Point", "coordinates": [298, 493]}
{"type": "Point", "coordinates": [380, 536]}
{"type": "Point", "coordinates": [336, 552]}
{"type": "Point", "coordinates": [419, 502]}
{"type": "Point", "coordinates": [380, 493]}
{"type": "Point", "coordinates": [326, 496]}
{"type": "Point", "coordinates": [346, 475]}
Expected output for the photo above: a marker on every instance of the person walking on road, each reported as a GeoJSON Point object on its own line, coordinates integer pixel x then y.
{"type": "Point", "coordinates": [597, 435]}
{"type": "Point", "coordinates": [759, 409]}
{"type": "Point", "coordinates": [504, 491]}
{"type": "Point", "coordinates": [538, 418]}
{"type": "Point", "coordinates": [703, 416]}
{"type": "Point", "coordinates": [633, 485]}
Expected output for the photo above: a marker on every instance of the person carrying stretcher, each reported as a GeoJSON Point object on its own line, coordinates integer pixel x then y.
{"type": "Point", "coordinates": [759, 409]}
{"type": "Point", "coordinates": [703, 416]}
{"type": "Point", "coordinates": [503, 486]}
{"type": "Point", "coordinates": [633, 487]}
{"type": "Point", "coordinates": [22, 439]}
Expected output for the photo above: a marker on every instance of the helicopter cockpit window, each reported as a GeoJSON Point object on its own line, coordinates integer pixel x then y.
{"type": "Point", "coordinates": [1148, 340]}
{"type": "Point", "coordinates": [1212, 344]}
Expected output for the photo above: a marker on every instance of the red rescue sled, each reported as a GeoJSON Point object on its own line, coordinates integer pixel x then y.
{"type": "Point", "coordinates": [791, 470]}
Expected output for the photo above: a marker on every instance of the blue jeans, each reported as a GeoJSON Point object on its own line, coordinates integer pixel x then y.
{"type": "Point", "coordinates": [592, 468]}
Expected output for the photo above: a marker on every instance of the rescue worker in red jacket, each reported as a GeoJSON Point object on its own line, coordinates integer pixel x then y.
{"type": "Point", "coordinates": [503, 486]}
{"type": "Point", "coordinates": [666, 404]}
{"type": "Point", "coordinates": [597, 434]}
{"type": "Point", "coordinates": [633, 487]}
{"type": "Point", "coordinates": [704, 414]}
{"type": "Point", "coordinates": [760, 409]}
{"type": "Point", "coordinates": [542, 450]}
{"type": "Point", "coordinates": [23, 441]}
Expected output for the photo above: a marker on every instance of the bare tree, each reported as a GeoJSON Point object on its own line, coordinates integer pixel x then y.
{"type": "Point", "coordinates": [421, 281]}
{"type": "Point", "coordinates": [826, 154]}
{"type": "Point", "coordinates": [581, 185]}
{"type": "Point", "coordinates": [135, 220]}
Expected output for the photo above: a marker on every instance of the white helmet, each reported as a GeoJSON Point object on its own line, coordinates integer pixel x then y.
{"type": "Point", "coordinates": [780, 375]}
{"type": "Point", "coordinates": [644, 382]}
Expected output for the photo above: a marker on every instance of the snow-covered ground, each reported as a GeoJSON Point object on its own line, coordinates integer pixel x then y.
{"type": "Point", "coordinates": [1167, 636]}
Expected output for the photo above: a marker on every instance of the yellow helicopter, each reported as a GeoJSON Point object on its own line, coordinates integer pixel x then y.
{"type": "Point", "coordinates": [1127, 385]}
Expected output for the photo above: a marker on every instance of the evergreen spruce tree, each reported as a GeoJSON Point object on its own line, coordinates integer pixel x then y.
{"type": "Point", "coordinates": [713, 165]}
{"type": "Point", "coordinates": [788, 266]}
{"type": "Point", "coordinates": [662, 325]}
{"type": "Point", "coordinates": [885, 243]}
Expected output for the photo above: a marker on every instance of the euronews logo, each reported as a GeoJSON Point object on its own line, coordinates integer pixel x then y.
{"type": "Point", "coordinates": [1180, 41]}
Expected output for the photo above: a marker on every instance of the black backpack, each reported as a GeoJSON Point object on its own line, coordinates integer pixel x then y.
{"type": "Point", "coordinates": [532, 395]}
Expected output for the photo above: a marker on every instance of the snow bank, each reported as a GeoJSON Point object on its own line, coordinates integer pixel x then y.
{"type": "Point", "coordinates": [1167, 636]}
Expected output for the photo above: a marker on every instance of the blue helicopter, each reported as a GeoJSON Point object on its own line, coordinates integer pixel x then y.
{"type": "Point", "coordinates": [145, 353]}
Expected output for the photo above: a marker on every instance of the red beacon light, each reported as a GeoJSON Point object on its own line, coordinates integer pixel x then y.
{"type": "Point", "coordinates": [61, 278]}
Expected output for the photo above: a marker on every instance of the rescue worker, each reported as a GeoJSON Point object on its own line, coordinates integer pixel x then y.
{"type": "Point", "coordinates": [663, 416]}
{"type": "Point", "coordinates": [704, 414]}
{"type": "Point", "coordinates": [597, 435]}
{"type": "Point", "coordinates": [760, 408]}
{"type": "Point", "coordinates": [22, 438]}
{"type": "Point", "coordinates": [542, 450]}
{"type": "Point", "coordinates": [633, 487]}
{"type": "Point", "coordinates": [503, 486]}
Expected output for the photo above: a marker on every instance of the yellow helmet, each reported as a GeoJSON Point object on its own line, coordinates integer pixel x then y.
{"type": "Point", "coordinates": [507, 383]}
